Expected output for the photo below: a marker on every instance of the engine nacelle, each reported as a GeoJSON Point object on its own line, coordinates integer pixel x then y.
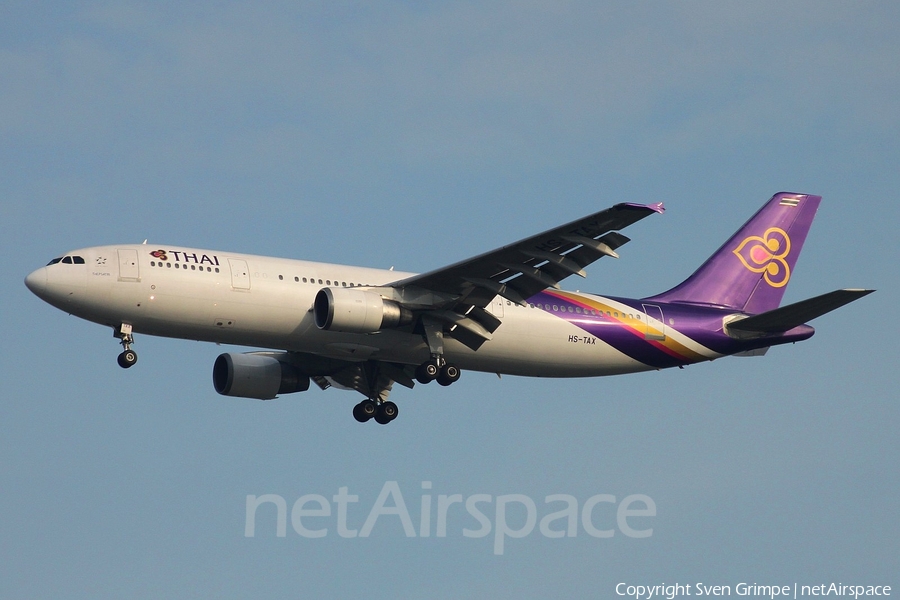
{"type": "Point", "coordinates": [256, 375]}
{"type": "Point", "coordinates": [357, 311]}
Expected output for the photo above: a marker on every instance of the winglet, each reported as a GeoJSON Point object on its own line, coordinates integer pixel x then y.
{"type": "Point", "coordinates": [658, 207]}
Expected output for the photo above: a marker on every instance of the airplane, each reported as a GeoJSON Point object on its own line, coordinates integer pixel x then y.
{"type": "Point", "coordinates": [501, 312]}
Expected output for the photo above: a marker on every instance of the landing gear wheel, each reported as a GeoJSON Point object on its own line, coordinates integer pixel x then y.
{"type": "Point", "coordinates": [127, 359]}
{"type": "Point", "coordinates": [364, 411]}
{"type": "Point", "coordinates": [449, 374]}
{"type": "Point", "coordinates": [128, 356]}
{"type": "Point", "coordinates": [386, 412]}
{"type": "Point", "coordinates": [427, 372]}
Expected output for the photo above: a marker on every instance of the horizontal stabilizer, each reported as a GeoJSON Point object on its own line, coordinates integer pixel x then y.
{"type": "Point", "coordinates": [790, 316]}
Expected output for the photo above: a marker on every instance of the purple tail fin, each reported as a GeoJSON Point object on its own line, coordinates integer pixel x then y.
{"type": "Point", "coordinates": [751, 271]}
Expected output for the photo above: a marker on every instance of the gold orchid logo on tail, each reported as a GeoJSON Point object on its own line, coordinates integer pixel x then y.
{"type": "Point", "coordinates": [767, 255]}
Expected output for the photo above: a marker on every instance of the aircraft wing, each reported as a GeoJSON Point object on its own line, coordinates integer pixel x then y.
{"type": "Point", "coordinates": [457, 294]}
{"type": "Point", "coordinates": [526, 267]}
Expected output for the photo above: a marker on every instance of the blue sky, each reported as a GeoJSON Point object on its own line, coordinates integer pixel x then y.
{"type": "Point", "coordinates": [414, 135]}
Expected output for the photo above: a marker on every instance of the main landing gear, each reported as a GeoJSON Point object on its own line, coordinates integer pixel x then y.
{"type": "Point", "coordinates": [128, 356]}
{"type": "Point", "coordinates": [437, 368]}
{"type": "Point", "coordinates": [382, 412]}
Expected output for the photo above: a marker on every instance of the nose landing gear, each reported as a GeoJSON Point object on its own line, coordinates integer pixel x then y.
{"type": "Point", "coordinates": [128, 356]}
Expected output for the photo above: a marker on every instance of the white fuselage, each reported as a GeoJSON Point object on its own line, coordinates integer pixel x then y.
{"type": "Point", "coordinates": [267, 302]}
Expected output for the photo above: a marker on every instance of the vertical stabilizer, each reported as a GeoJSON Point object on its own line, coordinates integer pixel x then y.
{"type": "Point", "coordinates": [750, 272]}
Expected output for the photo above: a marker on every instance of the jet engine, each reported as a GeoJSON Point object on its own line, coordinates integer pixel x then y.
{"type": "Point", "coordinates": [256, 375]}
{"type": "Point", "coordinates": [357, 311]}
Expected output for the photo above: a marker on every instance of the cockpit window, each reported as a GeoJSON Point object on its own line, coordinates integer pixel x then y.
{"type": "Point", "coordinates": [68, 260]}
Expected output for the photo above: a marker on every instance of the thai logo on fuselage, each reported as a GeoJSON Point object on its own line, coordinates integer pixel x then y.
{"type": "Point", "coordinates": [767, 255]}
{"type": "Point", "coordinates": [180, 256]}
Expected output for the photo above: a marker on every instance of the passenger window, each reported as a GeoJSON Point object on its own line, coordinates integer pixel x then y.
{"type": "Point", "coordinates": [67, 260]}
{"type": "Point", "coordinates": [280, 277]}
{"type": "Point", "coordinates": [152, 263]}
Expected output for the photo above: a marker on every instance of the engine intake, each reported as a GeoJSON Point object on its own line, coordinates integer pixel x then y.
{"type": "Point", "coordinates": [256, 375]}
{"type": "Point", "coordinates": [357, 311]}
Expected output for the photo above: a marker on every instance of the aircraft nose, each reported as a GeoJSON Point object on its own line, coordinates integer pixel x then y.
{"type": "Point", "coordinates": [37, 281]}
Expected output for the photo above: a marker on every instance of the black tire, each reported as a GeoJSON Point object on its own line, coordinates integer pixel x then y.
{"type": "Point", "coordinates": [387, 412]}
{"type": "Point", "coordinates": [359, 413]}
{"type": "Point", "coordinates": [127, 359]}
{"type": "Point", "coordinates": [390, 410]}
{"type": "Point", "coordinates": [427, 372]}
{"type": "Point", "coordinates": [449, 374]}
{"type": "Point", "coordinates": [368, 408]}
